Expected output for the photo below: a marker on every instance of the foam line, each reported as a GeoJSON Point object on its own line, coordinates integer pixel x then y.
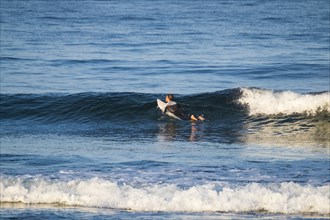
{"type": "Point", "coordinates": [287, 197]}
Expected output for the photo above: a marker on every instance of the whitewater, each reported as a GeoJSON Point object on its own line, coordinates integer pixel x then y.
{"type": "Point", "coordinates": [288, 198]}
{"type": "Point", "coordinates": [269, 102]}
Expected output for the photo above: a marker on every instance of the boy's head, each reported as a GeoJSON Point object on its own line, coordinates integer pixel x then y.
{"type": "Point", "coordinates": [169, 97]}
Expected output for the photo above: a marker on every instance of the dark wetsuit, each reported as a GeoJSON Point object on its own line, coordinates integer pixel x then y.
{"type": "Point", "coordinates": [177, 110]}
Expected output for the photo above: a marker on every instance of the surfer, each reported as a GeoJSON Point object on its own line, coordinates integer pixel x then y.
{"type": "Point", "coordinates": [176, 109]}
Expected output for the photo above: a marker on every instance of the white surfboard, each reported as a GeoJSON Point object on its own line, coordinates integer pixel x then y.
{"type": "Point", "coordinates": [162, 106]}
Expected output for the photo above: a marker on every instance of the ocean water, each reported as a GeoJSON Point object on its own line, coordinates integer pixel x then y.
{"type": "Point", "coordinates": [82, 138]}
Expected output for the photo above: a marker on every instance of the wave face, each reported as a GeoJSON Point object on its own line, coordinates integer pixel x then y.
{"type": "Point", "coordinates": [287, 197]}
{"type": "Point", "coordinates": [123, 107]}
{"type": "Point", "coordinates": [139, 106]}
{"type": "Point", "coordinates": [268, 102]}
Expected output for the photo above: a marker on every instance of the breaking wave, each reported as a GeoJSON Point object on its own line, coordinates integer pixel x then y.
{"type": "Point", "coordinates": [269, 102]}
{"type": "Point", "coordinates": [286, 197]}
{"type": "Point", "coordinates": [130, 107]}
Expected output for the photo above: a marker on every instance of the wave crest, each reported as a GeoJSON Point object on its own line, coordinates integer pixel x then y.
{"type": "Point", "coordinates": [267, 102]}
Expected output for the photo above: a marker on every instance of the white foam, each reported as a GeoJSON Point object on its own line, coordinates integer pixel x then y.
{"type": "Point", "coordinates": [286, 197]}
{"type": "Point", "coordinates": [271, 103]}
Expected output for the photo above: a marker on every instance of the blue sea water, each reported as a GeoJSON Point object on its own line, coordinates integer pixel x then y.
{"type": "Point", "coordinates": [81, 135]}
